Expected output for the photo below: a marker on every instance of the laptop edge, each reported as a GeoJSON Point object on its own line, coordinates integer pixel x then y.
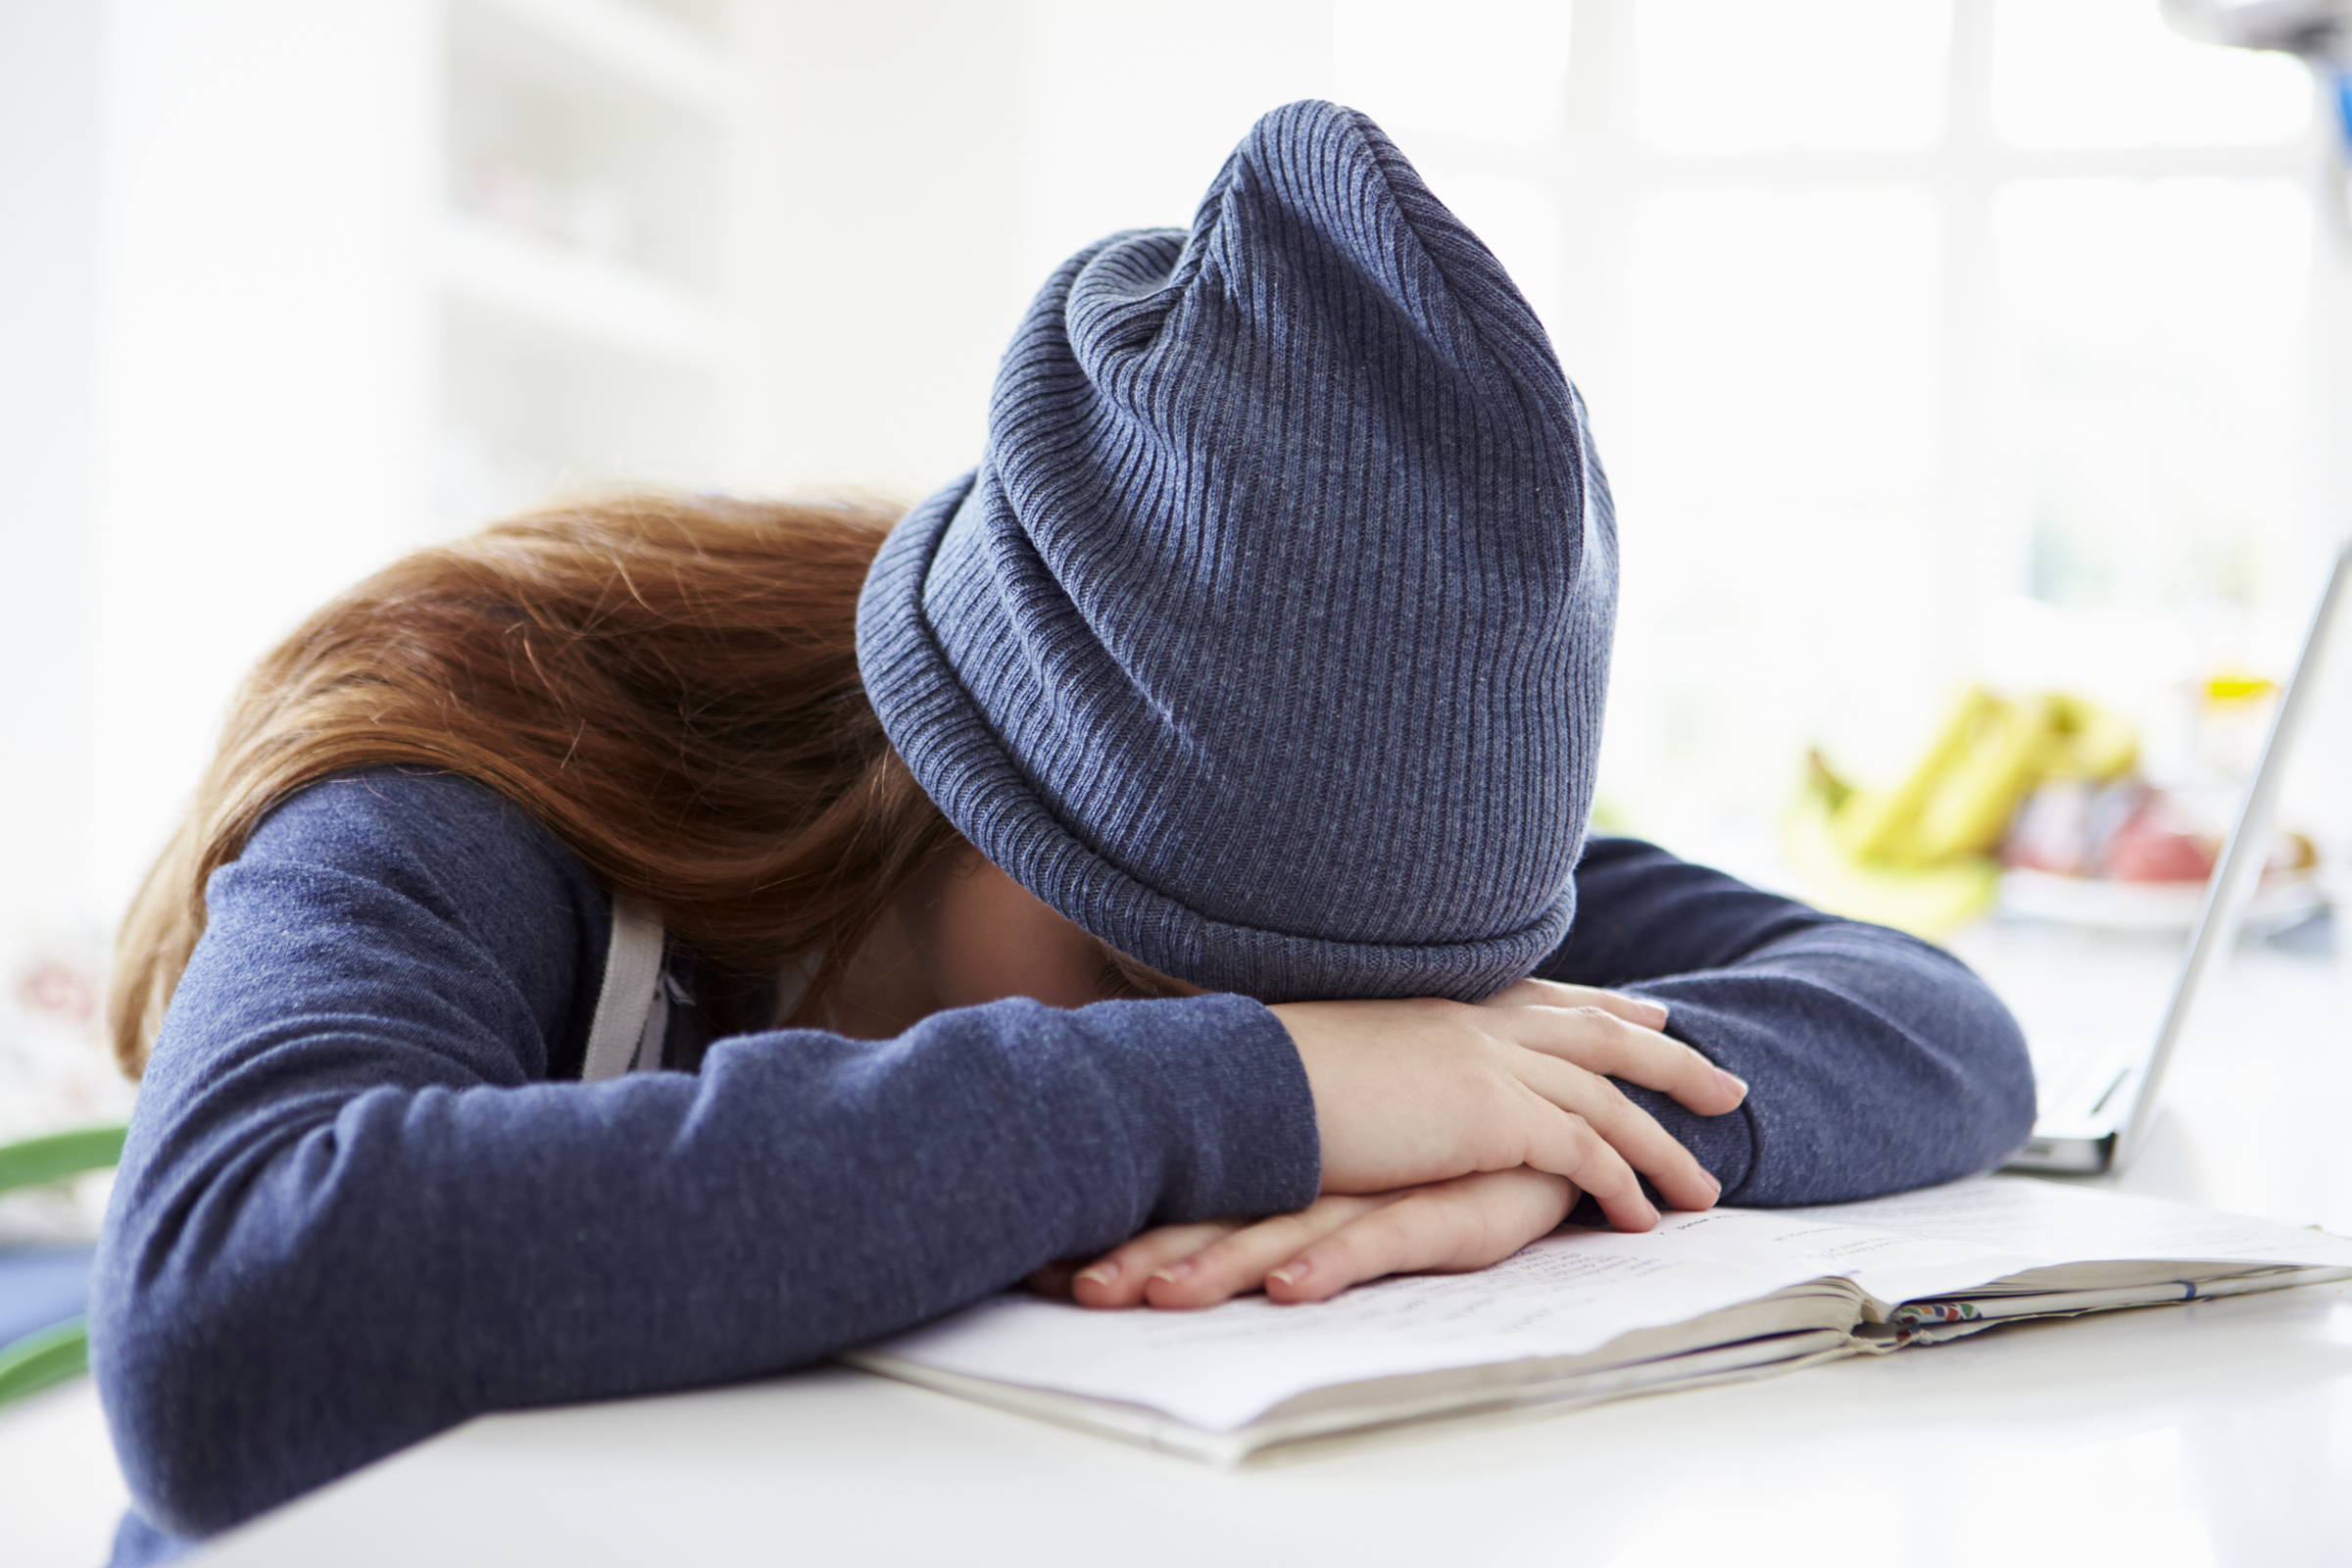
{"type": "Point", "coordinates": [2109, 1134]}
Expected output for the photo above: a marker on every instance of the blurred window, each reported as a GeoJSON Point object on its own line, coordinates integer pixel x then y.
{"type": "Point", "coordinates": [1489, 69]}
{"type": "Point", "coordinates": [1771, 563]}
{"type": "Point", "coordinates": [1826, 75]}
{"type": "Point", "coordinates": [2156, 339]}
{"type": "Point", "coordinates": [1906, 324]}
{"type": "Point", "coordinates": [2110, 74]}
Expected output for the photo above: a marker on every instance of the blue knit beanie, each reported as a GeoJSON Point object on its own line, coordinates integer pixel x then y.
{"type": "Point", "coordinates": [1269, 640]}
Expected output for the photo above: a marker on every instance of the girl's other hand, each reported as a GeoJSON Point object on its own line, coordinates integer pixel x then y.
{"type": "Point", "coordinates": [1447, 1227]}
{"type": "Point", "coordinates": [1408, 1093]}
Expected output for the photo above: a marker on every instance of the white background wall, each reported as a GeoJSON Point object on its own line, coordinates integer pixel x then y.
{"type": "Point", "coordinates": [49, 72]}
{"type": "Point", "coordinates": [263, 343]}
{"type": "Point", "coordinates": [880, 213]}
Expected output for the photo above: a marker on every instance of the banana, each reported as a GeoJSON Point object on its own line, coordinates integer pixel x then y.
{"type": "Point", "coordinates": [1930, 902]}
{"type": "Point", "coordinates": [1872, 827]}
{"type": "Point", "coordinates": [1990, 753]}
{"type": "Point", "coordinates": [2092, 742]}
{"type": "Point", "coordinates": [1972, 805]}
{"type": "Point", "coordinates": [1920, 855]}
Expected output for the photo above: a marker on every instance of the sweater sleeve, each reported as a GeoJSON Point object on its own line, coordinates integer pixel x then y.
{"type": "Point", "coordinates": [353, 1211]}
{"type": "Point", "coordinates": [1875, 1063]}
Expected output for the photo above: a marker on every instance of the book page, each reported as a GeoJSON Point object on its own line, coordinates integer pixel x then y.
{"type": "Point", "coordinates": [1575, 1291]}
{"type": "Point", "coordinates": [1566, 1294]}
{"type": "Point", "coordinates": [2046, 1224]}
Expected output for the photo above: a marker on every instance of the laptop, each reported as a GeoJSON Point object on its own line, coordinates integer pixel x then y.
{"type": "Point", "coordinates": [2096, 1113]}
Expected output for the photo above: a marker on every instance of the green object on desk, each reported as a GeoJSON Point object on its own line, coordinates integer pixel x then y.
{"type": "Point", "coordinates": [59, 1155]}
{"type": "Point", "coordinates": [62, 1351]}
{"type": "Point", "coordinates": [45, 1356]}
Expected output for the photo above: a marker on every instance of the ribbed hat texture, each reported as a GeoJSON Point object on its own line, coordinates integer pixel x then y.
{"type": "Point", "coordinates": [1269, 640]}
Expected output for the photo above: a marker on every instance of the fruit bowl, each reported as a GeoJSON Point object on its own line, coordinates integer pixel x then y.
{"type": "Point", "coordinates": [2109, 905]}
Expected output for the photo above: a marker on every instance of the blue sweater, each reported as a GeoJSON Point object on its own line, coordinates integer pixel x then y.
{"type": "Point", "coordinates": [361, 1205]}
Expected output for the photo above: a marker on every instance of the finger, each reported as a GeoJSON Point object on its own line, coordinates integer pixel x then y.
{"type": "Point", "coordinates": [1627, 1129]}
{"type": "Point", "coordinates": [1600, 1042]}
{"type": "Point", "coordinates": [1569, 1146]}
{"type": "Point", "coordinates": [1452, 1226]}
{"type": "Point", "coordinates": [1239, 1262]}
{"type": "Point", "coordinates": [1117, 1277]}
{"type": "Point", "coordinates": [1533, 993]}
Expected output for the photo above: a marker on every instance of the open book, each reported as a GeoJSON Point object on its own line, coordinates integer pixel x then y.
{"type": "Point", "coordinates": [1586, 1315]}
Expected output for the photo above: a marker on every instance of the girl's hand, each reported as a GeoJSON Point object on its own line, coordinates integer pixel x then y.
{"type": "Point", "coordinates": [1447, 1227]}
{"type": "Point", "coordinates": [1408, 1093]}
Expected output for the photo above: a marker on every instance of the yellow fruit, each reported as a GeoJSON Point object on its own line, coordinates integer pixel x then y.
{"type": "Point", "coordinates": [1972, 804]}
{"type": "Point", "coordinates": [2091, 742]}
{"type": "Point", "coordinates": [1920, 856]}
{"type": "Point", "coordinates": [1930, 902]}
{"type": "Point", "coordinates": [1874, 826]}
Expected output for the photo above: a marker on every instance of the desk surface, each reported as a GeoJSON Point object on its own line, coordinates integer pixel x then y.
{"type": "Point", "coordinates": [2220, 1431]}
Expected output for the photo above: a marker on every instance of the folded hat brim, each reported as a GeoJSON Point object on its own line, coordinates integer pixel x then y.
{"type": "Point", "coordinates": [965, 768]}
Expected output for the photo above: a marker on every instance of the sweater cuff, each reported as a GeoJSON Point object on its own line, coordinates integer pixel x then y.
{"type": "Point", "coordinates": [1225, 1104]}
{"type": "Point", "coordinates": [1725, 1145]}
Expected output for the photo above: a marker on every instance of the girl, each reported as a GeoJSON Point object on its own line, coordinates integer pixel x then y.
{"type": "Point", "coordinates": [664, 942]}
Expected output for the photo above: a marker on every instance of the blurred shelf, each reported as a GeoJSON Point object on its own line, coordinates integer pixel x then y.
{"type": "Point", "coordinates": [583, 338]}
{"type": "Point", "coordinates": [577, 293]}
{"type": "Point", "coordinates": [649, 48]}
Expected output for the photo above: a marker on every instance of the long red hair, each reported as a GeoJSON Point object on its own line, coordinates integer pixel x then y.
{"type": "Point", "coordinates": [668, 684]}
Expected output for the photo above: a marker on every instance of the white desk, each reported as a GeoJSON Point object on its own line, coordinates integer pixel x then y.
{"type": "Point", "coordinates": [2220, 1431]}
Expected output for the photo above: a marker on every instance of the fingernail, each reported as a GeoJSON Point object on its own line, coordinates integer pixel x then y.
{"type": "Point", "coordinates": [1737, 1086]}
{"type": "Point", "coordinates": [1106, 1272]}
{"type": "Point", "coordinates": [1174, 1272]}
{"type": "Point", "coordinates": [1714, 1185]}
{"type": "Point", "coordinates": [1660, 1009]}
{"type": "Point", "coordinates": [1291, 1273]}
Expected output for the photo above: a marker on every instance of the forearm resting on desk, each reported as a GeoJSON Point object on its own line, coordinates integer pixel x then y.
{"type": "Point", "coordinates": [1877, 1064]}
